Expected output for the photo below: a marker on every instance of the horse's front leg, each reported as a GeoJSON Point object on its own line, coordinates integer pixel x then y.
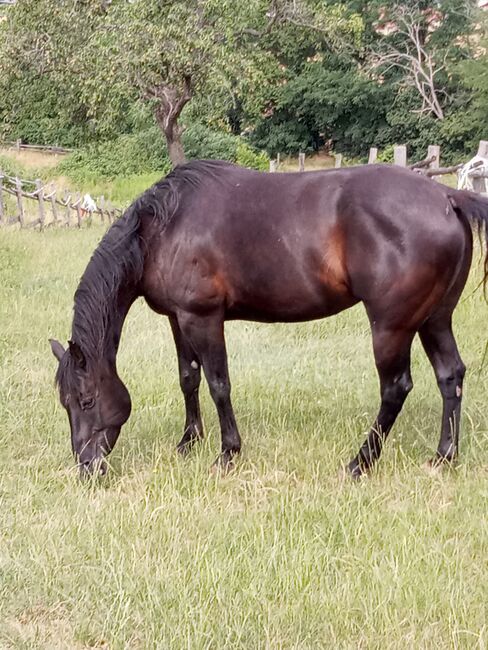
{"type": "Point", "coordinates": [206, 336]}
{"type": "Point", "coordinates": [190, 375]}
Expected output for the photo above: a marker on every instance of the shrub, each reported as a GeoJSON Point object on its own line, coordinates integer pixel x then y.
{"type": "Point", "coordinates": [386, 155]}
{"type": "Point", "coordinates": [201, 142]}
{"type": "Point", "coordinates": [145, 152]}
{"type": "Point", "coordinates": [249, 157]}
{"type": "Point", "coordinates": [129, 154]}
{"type": "Point", "coordinates": [10, 167]}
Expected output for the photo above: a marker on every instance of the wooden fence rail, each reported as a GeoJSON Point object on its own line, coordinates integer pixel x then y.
{"type": "Point", "coordinates": [19, 145]}
{"type": "Point", "coordinates": [48, 198]}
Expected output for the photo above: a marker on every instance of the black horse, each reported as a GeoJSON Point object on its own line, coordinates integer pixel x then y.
{"type": "Point", "coordinates": [213, 242]}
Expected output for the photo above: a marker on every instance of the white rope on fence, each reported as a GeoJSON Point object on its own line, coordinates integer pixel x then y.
{"type": "Point", "coordinates": [474, 175]}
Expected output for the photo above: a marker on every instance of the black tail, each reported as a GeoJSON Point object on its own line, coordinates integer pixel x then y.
{"type": "Point", "coordinates": [474, 208]}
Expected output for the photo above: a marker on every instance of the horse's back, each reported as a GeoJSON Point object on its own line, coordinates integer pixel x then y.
{"type": "Point", "coordinates": [306, 245]}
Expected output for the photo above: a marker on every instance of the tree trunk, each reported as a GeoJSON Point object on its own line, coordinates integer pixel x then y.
{"type": "Point", "coordinates": [172, 132]}
{"type": "Point", "coordinates": [176, 151]}
{"type": "Point", "coordinates": [170, 102]}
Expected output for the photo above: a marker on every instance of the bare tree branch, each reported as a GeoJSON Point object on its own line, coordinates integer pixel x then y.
{"type": "Point", "coordinates": [414, 59]}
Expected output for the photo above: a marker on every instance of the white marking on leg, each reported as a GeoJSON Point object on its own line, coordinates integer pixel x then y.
{"type": "Point", "coordinates": [459, 391]}
{"type": "Point", "coordinates": [194, 365]}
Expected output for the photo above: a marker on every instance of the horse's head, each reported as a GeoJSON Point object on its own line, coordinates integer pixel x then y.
{"type": "Point", "coordinates": [97, 403]}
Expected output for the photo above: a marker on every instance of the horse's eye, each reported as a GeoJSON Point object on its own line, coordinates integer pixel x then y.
{"type": "Point", "coordinates": [87, 403]}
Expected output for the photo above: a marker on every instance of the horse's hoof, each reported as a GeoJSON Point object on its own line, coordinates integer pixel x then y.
{"type": "Point", "coordinates": [346, 474]}
{"type": "Point", "coordinates": [435, 465]}
{"type": "Point", "coordinates": [354, 470]}
{"type": "Point", "coordinates": [183, 449]}
{"type": "Point", "coordinates": [223, 465]}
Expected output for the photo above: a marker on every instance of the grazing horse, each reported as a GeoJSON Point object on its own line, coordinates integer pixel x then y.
{"type": "Point", "coordinates": [214, 242]}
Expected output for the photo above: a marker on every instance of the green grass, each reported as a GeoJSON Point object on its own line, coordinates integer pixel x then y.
{"type": "Point", "coordinates": [281, 554]}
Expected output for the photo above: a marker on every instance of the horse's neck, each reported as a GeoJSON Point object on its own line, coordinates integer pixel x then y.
{"type": "Point", "coordinates": [114, 326]}
{"type": "Point", "coordinates": [108, 288]}
{"type": "Point", "coordinates": [98, 318]}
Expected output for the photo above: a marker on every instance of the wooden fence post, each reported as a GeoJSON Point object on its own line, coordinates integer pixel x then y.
{"type": "Point", "coordinates": [40, 198]}
{"type": "Point", "coordinates": [483, 149]}
{"type": "Point", "coordinates": [110, 212]}
{"type": "Point", "coordinates": [272, 166]}
{"type": "Point", "coordinates": [373, 155]}
{"type": "Point", "coordinates": [434, 151]}
{"type": "Point", "coordinates": [54, 207]}
{"type": "Point", "coordinates": [338, 160]}
{"type": "Point", "coordinates": [67, 214]}
{"type": "Point", "coordinates": [278, 160]}
{"type": "Point", "coordinates": [17, 144]}
{"type": "Point", "coordinates": [78, 208]}
{"type": "Point", "coordinates": [2, 215]}
{"type": "Point", "coordinates": [400, 155]}
{"type": "Point", "coordinates": [20, 207]}
{"type": "Point", "coordinates": [101, 207]}
{"type": "Point", "coordinates": [301, 162]}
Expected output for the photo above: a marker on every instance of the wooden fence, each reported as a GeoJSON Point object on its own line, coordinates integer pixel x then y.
{"type": "Point", "coordinates": [430, 166]}
{"type": "Point", "coordinates": [50, 206]}
{"type": "Point", "coordinates": [19, 146]}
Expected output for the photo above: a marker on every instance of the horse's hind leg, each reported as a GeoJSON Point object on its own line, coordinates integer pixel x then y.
{"type": "Point", "coordinates": [392, 356]}
{"type": "Point", "coordinates": [190, 375]}
{"type": "Point", "coordinates": [206, 335]}
{"type": "Point", "coordinates": [439, 344]}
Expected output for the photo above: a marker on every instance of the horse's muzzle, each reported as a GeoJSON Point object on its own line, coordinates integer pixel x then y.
{"type": "Point", "coordinates": [93, 468]}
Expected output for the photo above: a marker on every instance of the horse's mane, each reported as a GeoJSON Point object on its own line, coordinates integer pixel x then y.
{"type": "Point", "coordinates": [118, 260]}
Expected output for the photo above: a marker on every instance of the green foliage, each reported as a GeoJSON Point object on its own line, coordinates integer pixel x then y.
{"type": "Point", "coordinates": [201, 142]}
{"type": "Point", "coordinates": [249, 157]}
{"type": "Point", "coordinates": [386, 155]}
{"type": "Point", "coordinates": [145, 152]}
{"type": "Point", "coordinates": [10, 167]}
{"type": "Point", "coordinates": [323, 104]}
{"type": "Point", "coordinates": [328, 95]}
{"type": "Point", "coordinates": [128, 154]}
{"type": "Point", "coordinates": [293, 74]}
{"type": "Point", "coordinates": [468, 123]}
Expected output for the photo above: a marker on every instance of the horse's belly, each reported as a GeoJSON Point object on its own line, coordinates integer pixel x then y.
{"type": "Point", "coordinates": [307, 305]}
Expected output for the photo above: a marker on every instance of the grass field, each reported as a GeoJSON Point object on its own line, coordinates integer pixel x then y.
{"type": "Point", "coordinates": [281, 554]}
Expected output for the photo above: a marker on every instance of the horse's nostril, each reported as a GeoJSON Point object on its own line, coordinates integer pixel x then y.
{"type": "Point", "coordinates": [93, 467]}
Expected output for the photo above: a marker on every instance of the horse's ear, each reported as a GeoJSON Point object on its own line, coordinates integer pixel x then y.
{"type": "Point", "coordinates": [77, 354]}
{"type": "Point", "coordinates": [57, 349]}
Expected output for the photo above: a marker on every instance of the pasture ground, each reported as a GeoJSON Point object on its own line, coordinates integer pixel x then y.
{"type": "Point", "coordinates": [280, 555]}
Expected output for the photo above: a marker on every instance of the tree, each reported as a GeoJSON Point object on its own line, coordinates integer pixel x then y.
{"type": "Point", "coordinates": [173, 51]}
{"type": "Point", "coordinates": [45, 49]}
{"type": "Point", "coordinates": [103, 56]}
{"type": "Point", "coordinates": [414, 44]}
